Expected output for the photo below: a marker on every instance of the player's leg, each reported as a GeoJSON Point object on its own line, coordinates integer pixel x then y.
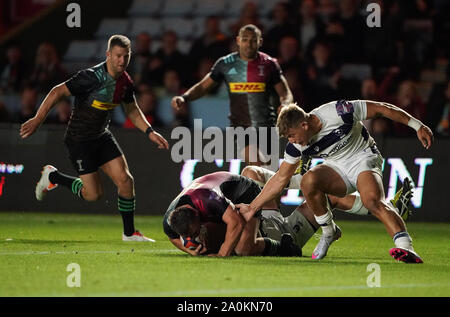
{"type": "Point", "coordinates": [370, 186]}
{"type": "Point", "coordinates": [352, 204]}
{"type": "Point", "coordinates": [117, 170]}
{"type": "Point", "coordinates": [315, 185]}
{"type": "Point", "coordinates": [87, 186]}
{"type": "Point", "coordinates": [261, 175]}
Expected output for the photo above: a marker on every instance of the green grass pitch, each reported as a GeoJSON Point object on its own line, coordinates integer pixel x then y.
{"type": "Point", "coordinates": [36, 249]}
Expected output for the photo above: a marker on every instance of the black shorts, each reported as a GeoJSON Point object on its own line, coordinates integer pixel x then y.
{"type": "Point", "coordinates": [259, 138]}
{"type": "Point", "coordinates": [88, 156]}
{"type": "Point", "coordinates": [240, 189]}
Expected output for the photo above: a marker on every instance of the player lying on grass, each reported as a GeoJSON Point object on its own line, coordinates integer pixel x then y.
{"type": "Point", "coordinates": [334, 131]}
{"type": "Point", "coordinates": [279, 235]}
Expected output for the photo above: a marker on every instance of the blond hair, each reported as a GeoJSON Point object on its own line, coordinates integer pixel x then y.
{"type": "Point", "coordinates": [290, 117]}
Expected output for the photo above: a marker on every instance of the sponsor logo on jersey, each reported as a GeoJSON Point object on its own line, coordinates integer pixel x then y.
{"type": "Point", "coordinates": [103, 105]}
{"type": "Point", "coordinates": [247, 87]}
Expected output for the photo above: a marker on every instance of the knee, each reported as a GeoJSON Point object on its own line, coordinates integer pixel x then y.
{"type": "Point", "coordinates": [243, 250]}
{"type": "Point", "coordinates": [92, 195]}
{"type": "Point", "coordinates": [252, 172]}
{"type": "Point", "coordinates": [373, 203]}
{"type": "Point", "coordinates": [309, 182]}
{"type": "Point", "coordinates": [125, 180]}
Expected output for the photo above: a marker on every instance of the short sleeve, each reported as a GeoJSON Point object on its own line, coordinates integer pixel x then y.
{"type": "Point", "coordinates": [360, 109]}
{"type": "Point", "coordinates": [217, 71]}
{"type": "Point", "coordinates": [275, 76]}
{"type": "Point", "coordinates": [129, 95]}
{"type": "Point", "coordinates": [292, 155]}
{"type": "Point", "coordinates": [82, 82]}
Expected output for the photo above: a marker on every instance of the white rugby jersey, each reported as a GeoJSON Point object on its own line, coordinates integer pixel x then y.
{"type": "Point", "coordinates": [342, 135]}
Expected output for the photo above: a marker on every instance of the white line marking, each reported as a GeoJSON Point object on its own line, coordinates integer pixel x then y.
{"type": "Point", "coordinates": [85, 252]}
{"type": "Point", "coordinates": [221, 292]}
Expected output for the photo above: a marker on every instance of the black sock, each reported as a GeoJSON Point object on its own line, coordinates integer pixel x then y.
{"type": "Point", "coordinates": [271, 247]}
{"type": "Point", "coordinates": [126, 208]}
{"type": "Point", "coordinates": [73, 183]}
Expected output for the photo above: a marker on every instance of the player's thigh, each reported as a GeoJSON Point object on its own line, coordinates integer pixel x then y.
{"type": "Point", "coordinates": [325, 179]}
{"type": "Point", "coordinates": [370, 187]}
{"type": "Point", "coordinates": [117, 169]}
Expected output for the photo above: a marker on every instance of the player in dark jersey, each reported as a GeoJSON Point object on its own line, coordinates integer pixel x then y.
{"type": "Point", "coordinates": [209, 201]}
{"type": "Point", "coordinates": [252, 77]}
{"type": "Point", "coordinates": [90, 144]}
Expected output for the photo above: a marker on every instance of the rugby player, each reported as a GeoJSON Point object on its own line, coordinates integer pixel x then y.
{"type": "Point", "coordinates": [205, 210]}
{"type": "Point", "coordinates": [91, 146]}
{"type": "Point", "coordinates": [334, 131]}
{"type": "Point", "coordinates": [251, 77]}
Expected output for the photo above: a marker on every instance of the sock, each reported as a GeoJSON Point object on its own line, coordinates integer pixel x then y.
{"type": "Point", "coordinates": [358, 208]}
{"type": "Point", "coordinates": [73, 183]}
{"type": "Point", "coordinates": [271, 247]}
{"type": "Point", "coordinates": [126, 208]}
{"type": "Point", "coordinates": [327, 223]}
{"type": "Point", "coordinates": [403, 240]}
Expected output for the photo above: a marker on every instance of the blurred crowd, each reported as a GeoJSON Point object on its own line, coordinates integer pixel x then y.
{"type": "Point", "coordinates": [324, 47]}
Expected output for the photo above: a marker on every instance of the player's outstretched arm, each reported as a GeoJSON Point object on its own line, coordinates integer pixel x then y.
{"type": "Point", "coordinates": [235, 225]}
{"type": "Point", "coordinates": [195, 92]}
{"type": "Point", "coordinates": [136, 116]}
{"type": "Point", "coordinates": [30, 126]}
{"type": "Point", "coordinates": [271, 190]}
{"type": "Point", "coordinates": [375, 109]}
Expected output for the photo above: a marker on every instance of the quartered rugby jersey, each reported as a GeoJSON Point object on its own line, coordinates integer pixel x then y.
{"type": "Point", "coordinates": [203, 194]}
{"type": "Point", "coordinates": [250, 87]}
{"type": "Point", "coordinates": [342, 136]}
{"type": "Point", "coordinates": [211, 195]}
{"type": "Point", "coordinates": [96, 93]}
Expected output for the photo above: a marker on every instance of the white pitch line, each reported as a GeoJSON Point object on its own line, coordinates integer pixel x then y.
{"type": "Point", "coordinates": [85, 252]}
{"type": "Point", "coordinates": [222, 292]}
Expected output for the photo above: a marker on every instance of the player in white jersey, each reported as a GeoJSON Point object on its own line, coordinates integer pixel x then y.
{"type": "Point", "coordinates": [334, 131]}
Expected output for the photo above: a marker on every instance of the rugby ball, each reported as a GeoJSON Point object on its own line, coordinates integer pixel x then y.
{"type": "Point", "coordinates": [190, 243]}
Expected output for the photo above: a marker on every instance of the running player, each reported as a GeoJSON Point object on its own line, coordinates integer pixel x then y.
{"type": "Point", "coordinates": [90, 144]}
{"type": "Point", "coordinates": [251, 77]}
{"type": "Point", "coordinates": [334, 131]}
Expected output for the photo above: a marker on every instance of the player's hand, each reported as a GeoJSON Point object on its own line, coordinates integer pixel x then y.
{"type": "Point", "coordinates": [29, 127]}
{"type": "Point", "coordinates": [425, 136]}
{"type": "Point", "coordinates": [178, 102]}
{"type": "Point", "coordinates": [244, 210]}
{"type": "Point", "coordinates": [199, 251]}
{"type": "Point", "coordinates": [157, 138]}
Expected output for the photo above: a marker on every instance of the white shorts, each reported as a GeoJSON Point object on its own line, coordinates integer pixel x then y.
{"type": "Point", "coordinates": [267, 174]}
{"type": "Point", "coordinates": [273, 225]}
{"type": "Point", "coordinates": [350, 170]}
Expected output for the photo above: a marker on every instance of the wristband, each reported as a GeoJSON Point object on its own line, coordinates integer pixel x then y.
{"type": "Point", "coordinates": [415, 124]}
{"type": "Point", "coordinates": [186, 98]}
{"type": "Point", "coordinates": [149, 130]}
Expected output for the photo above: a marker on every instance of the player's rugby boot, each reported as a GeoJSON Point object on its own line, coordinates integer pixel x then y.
{"type": "Point", "coordinates": [303, 166]}
{"type": "Point", "coordinates": [402, 199]}
{"type": "Point", "coordinates": [321, 249]}
{"type": "Point", "coordinates": [136, 236]}
{"type": "Point", "coordinates": [404, 255]}
{"type": "Point", "coordinates": [44, 185]}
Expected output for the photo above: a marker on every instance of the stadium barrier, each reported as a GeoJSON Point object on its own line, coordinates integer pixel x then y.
{"type": "Point", "coordinates": [158, 179]}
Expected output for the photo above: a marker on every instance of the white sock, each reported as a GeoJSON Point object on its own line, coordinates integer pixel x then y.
{"type": "Point", "coordinates": [403, 240]}
{"type": "Point", "coordinates": [358, 207]}
{"type": "Point", "coordinates": [326, 223]}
